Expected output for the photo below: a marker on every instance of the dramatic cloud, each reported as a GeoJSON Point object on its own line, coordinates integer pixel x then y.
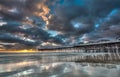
{"type": "Point", "coordinates": [59, 22]}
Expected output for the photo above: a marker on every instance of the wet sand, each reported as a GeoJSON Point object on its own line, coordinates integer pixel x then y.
{"type": "Point", "coordinates": [49, 65]}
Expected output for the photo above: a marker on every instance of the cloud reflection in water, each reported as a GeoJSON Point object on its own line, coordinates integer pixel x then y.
{"type": "Point", "coordinates": [37, 69]}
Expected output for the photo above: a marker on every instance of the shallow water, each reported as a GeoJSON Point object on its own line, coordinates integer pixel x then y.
{"type": "Point", "coordinates": [35, 66]}
{"type": "Point", "coordinates": [59, 69]}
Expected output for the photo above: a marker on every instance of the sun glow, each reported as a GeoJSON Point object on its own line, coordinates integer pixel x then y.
{"type": "Point", "coordinates": [25, 51]}
{"type": "Point", "coordinates": [18, 51]}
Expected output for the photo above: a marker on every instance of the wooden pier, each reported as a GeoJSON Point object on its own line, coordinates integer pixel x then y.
{"type": "Point", "coordinates": [93, 52]}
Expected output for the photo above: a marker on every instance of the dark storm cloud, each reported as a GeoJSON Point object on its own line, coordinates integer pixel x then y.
{"type": "Point", "coordinates": [110, 25]}
{"type": "Point", "coordinates": [18, 9]}
{"type": "Point", "coordinates": [61, 20]}
{"type": "Point", "coordinates": [26, 34]}
{"type": "Point", "coordinates": [56, 40]}
{"type": "Point", "coordinates": [12, 9]}
{"type": "Point", "coordinates": [6, 37]}
{"type": "Point", "coordinates": [101, 7]}
{"type": "Point", "coordinates": [107, 28]}
{"type": "Point", "coordinates": [87, 16]}
{"type": "Point", "coordinates": [72, 19]}
{"type": "Point", "coordinates": [11, 27]}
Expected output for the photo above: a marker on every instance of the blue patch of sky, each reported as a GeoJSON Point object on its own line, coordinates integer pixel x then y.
{"type": "Point", "coordinates": [99, 22]}
{"type": "Point", "coordinates": [79, 2]}
{"type": "Point", "coordinates": [78, 25]}
{"type": "Point", "coordinates": [61, 1]}
{"type": "Point", "coordinates": [67, 3]}
{"type": "Point", "coordinates": [52, 33]}
{"type": "Point", "coordinates": [73, 2]}
{"type": "Point", "coordinates": [113, 12]}
{"type": "Point", "coordinates": [97, 26]}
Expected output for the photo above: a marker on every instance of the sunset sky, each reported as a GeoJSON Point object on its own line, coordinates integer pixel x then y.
{"type": "Point", "coordinates": [46, 23]}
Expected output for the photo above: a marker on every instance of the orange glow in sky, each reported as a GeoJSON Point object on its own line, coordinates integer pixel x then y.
{"type": "Point", "coordinates": [43, 11]}
{"type": "Point", "coordinates": [25, 51]}
{"type": "Point", "coordinates": [18, 51]}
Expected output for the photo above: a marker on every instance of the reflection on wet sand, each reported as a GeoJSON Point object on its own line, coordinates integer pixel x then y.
{"type": "Point", "coordinates": [60, 65]}
{"type": "Point", "coordinates": [59, 69]}
{"type": "Point", "coordinates": [13, 66]}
